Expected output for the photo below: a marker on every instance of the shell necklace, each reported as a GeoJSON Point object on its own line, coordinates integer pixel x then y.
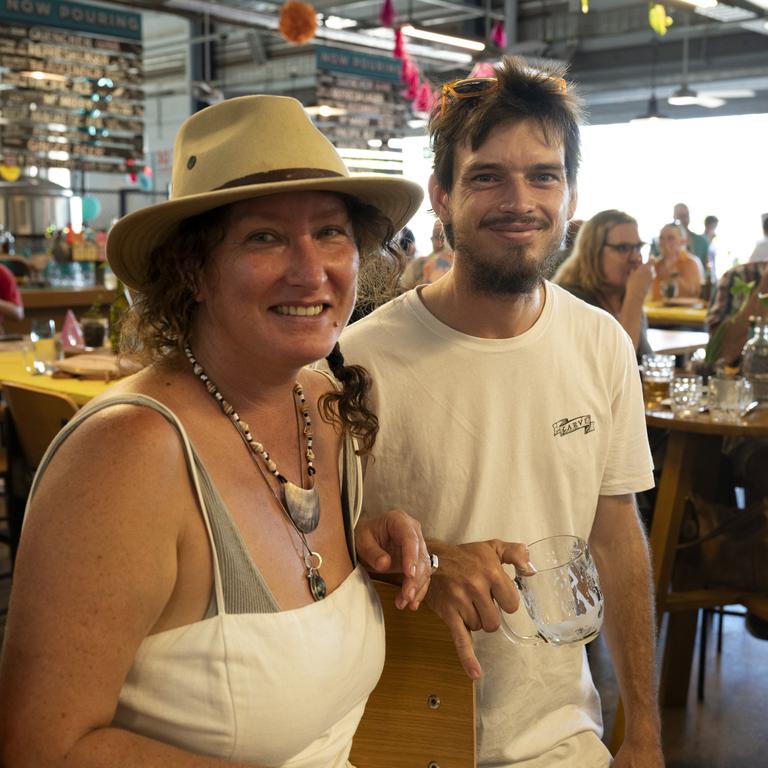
{"type": "Point", "coordinates": [301, 505]}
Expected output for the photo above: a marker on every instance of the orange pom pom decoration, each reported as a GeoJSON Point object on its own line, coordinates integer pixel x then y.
{"type": "Point", "coordinates": [298, 22]}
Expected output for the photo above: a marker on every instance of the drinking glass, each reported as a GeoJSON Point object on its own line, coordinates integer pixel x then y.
{"type": "Point", "coordinates": [685, 393]}
{"type": "Point", "coordinates": [728, 397]}
{"type": "Point", "coordinates": [657, 372]}
{"type": "Point", "coordinates": [42, 334]}
{"type": "Point", "coordinates": [95, 331]}
{"type": "Point", "coordinates": [563, 597]}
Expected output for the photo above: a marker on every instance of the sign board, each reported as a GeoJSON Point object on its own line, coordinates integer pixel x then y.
{"type": "Point", "coordinates": [365, 92]}
{"type": "Point", "coordinates": [70, 99]}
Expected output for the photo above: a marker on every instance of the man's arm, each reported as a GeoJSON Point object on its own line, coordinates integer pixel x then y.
{"type": "Point", "coordinates": [620, 548]}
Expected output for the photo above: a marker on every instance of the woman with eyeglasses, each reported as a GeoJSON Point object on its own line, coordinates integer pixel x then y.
{"type": "Point", "coordinates": [606, 269]}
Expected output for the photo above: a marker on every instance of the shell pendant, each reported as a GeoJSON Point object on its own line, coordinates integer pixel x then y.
{"type": "Point", "coordinates": [303, 505]}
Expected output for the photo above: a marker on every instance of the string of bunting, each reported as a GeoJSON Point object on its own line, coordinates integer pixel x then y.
{"type": "Point", "coordinates": [419, 92]}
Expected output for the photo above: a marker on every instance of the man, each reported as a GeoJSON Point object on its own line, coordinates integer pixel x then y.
{"type": "Point", "coordinates": [725, 307]}
{"type": "Point", "coordinates": [696, 244]}
{"type": "Point", "coordinates": [510, 411]}
{"type": "Point", "coordinates": [761, 249]}
{"type": "Point", "coordinates": [710, 228]}
{"type": "Point", "coordinates": [429, 268]}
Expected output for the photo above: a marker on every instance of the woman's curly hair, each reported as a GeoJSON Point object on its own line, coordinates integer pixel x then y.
{"type": "Point", "coordinates": [159, 324]}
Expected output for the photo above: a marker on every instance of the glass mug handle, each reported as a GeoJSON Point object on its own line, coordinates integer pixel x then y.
{"type": "Point", "coordinates": [514, 637]}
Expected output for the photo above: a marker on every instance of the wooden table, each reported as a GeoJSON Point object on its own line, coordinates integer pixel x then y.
{"type": "Point", "coordinates": [661, 316]}
{"type": "Point", "coordinates": [676, 342]}
{"type": "Point", "coordinates": [692, 464]}
{"type": "Point", "coordinates": [80, 390]}
{"type": "Point", "coordinates": [12, 369]}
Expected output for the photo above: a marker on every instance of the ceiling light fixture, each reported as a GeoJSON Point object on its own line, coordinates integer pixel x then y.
{"type": "Point", "coordinates": [323, 110]}
{"type": "Point", "coordinates": [687, 97]}
{"type": "Point", "coordinates": [338, 22]}
{"type": "Point", "coordinates": [435, 37]}
{"type": "Point", "coordinates": [652, 113]}
{"type": "Point", "coordinates": [701, 3]}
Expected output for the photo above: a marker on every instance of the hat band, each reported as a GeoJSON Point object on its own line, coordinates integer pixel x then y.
{"type": "Point", "coordinates": [284, 174]}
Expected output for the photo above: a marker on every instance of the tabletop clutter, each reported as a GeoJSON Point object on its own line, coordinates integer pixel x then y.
{"type": "Point", "coordinates": [85, 347]}
{"type": "Point", "coordinates": [720, 393]}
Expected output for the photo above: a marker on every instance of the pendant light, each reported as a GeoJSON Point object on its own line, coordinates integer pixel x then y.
{"type": "Point", "coordinates": [652, 112]}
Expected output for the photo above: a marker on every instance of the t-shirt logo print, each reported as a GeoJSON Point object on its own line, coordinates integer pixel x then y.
{"type": "Point", "coordinates": [564, 427]}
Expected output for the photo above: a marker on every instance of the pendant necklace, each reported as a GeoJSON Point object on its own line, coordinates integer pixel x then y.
{"type": "Point", "coordinates": [300, 505]}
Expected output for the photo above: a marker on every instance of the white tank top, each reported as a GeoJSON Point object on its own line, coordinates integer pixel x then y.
{"type": "Point", "coordinates": [284, 688]}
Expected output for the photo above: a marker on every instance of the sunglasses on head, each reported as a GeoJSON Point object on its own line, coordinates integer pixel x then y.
{"type": "Point", "coordinates": [472, 87]}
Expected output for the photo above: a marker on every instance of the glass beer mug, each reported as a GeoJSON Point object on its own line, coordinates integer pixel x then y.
{"type": "Point", "coordinates": [563, 597]}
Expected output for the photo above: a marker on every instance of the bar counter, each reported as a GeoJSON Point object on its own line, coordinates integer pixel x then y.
{"type": "Point", "coordinates": [53, 303]}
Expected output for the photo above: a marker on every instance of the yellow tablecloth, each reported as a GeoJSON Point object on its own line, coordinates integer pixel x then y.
{"type": "Point", "coordinates": [660, 316]}
{"type": "Point", "coordinates": [80, 390]}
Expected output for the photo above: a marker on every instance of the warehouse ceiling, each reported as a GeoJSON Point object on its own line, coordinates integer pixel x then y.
{"type": "Point", "coordinates": [717, 55]}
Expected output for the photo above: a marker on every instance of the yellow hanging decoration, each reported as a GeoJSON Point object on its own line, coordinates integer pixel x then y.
{"type": "Point", "coordinates": [9, 172]}
{"type": "Point", "coordinates": [658, 19]}
{"type": "Point", "coordinates": [585, 6]}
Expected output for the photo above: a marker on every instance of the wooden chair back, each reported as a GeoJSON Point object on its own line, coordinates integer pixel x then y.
{"type": "Point", "coordinates": [38, 415]}
{"type": "Point", "coordinates": [422, 712]}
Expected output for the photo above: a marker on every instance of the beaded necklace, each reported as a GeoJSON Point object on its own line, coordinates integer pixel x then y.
{"type": "Point", "coordinates": [301, 505]}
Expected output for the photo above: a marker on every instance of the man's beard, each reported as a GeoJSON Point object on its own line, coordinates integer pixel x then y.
{"type": "Point", "coordinates": [510, 271]}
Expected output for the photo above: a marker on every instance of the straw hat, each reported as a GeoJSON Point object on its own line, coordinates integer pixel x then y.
{"type": "Point", "coordinates": [242, 148]}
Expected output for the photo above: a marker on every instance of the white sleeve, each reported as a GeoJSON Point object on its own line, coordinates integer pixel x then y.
{"type": "Point", "coordinates": [629, 466]}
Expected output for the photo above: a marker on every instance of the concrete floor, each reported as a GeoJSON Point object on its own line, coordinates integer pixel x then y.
{"type": "Point", "coordinates": [728, 730]}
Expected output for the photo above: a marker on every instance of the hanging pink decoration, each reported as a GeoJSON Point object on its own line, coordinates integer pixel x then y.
{"type": "Point", "coordinates": [483, 69]}
{"type": "Point", "coordinates": [387, 14]}
{"type": "Point", "coordinates": [425, 98]}
{"type": "Point", "coordinates": [399, 52]}
{"type": "Point", "coordinates": [410, 76]}
{"type": "Point", "coordinates": [499, 35]}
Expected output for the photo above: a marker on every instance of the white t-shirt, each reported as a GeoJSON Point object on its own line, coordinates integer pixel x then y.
{"type": "Point", "coordinates": [761, 251]}
{"type": "Point", "coordinates": [512, 439]}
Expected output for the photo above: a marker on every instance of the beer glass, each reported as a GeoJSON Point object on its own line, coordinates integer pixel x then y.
{"type": "Point", "coordinates": [563, 597]}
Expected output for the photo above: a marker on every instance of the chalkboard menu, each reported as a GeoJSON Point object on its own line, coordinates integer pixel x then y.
{"type": "Point", "coordinates": [71, 81]}
{"type": "Point", "coordinates": [365, 92]}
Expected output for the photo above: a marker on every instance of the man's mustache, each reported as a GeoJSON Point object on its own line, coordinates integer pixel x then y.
{"type": "Point", "coordinates": [506, 218]}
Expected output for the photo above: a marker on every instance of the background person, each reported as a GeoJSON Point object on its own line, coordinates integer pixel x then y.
{"type": "Point", "coordinates": [761, 247]}
{"type": "Point", "coordinates": [472, 373]}
{"type": "Point", "coordinates": [696, 244]}
{"type": "Point", "coordinates": [606, 269]}
{"type": "Point", "coordinates": [11, 304]}
{"type": "Point", "coordinates": [678, 274]}
{"type": "Point", "coordinates": [430, 268]}
{"type": "Point", "coordinates": [198, 603]}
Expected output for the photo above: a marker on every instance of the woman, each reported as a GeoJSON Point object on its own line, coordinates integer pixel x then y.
{"type": "Point", "coordinates": [678, 274]}
{"type": "Point", "coordinates": [197, 603]}
{"type": "Point", "coordinates": [606, 269]}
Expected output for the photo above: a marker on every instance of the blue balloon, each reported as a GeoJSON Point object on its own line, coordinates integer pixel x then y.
{"type": "Point", "coordinates": [91, 207]}
{"type": "Point", "coordinates": [146, 183]}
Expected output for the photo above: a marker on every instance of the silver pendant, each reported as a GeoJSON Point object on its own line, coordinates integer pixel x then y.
{"type": "Point", "coordinates": [303, 506]}
{"type": "Point", "coordinates": [317, 587]}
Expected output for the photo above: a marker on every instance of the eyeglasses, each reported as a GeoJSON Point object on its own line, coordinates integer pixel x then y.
{"type": "Point", "coordinates": [472, 87]}
{"type": "Point", "coordinates": [625, 248]}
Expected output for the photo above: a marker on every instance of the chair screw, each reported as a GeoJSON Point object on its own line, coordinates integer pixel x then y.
{"type": "Point", "coordinates": [433, 702]}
